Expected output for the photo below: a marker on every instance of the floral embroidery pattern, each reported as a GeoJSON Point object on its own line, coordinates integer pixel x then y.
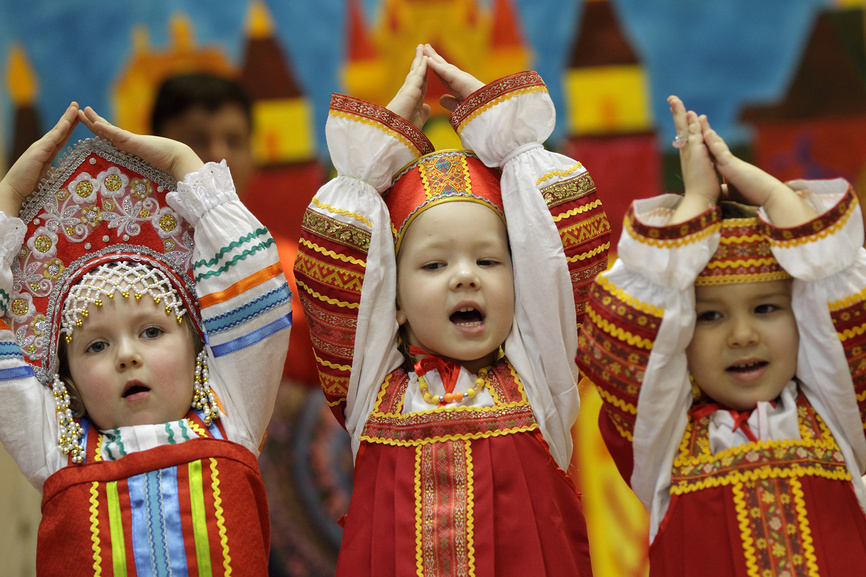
{"type": "Point", "coordinates": [98, 201]}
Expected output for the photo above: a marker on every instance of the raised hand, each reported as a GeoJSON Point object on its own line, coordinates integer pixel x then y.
{"type": "Point", "coordinates": [172, 156]}
{"type": "Point", "coordinates": [783, 205]}
{"type": "Point", "coordinates": [702, 188]}
{"type": "Point", "coordinates": [409, 100]}
{"type": "Point", "coordinates": [32, 165]}
{"type": "Point", "coordinates": [460, 84]}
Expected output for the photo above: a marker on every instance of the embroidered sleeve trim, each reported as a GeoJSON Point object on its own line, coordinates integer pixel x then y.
{"type": "Point", "coordinates": [570, 189]}
{"type": "Point", "coordinates": [382, 118]}
{"type": "Point", "coordinates": [677, 235]}
{"type": "Point", "coordinates": [337, 231]}
{"type": "Point", "coordinates": [617, 332]}
{"type": "Point", "coordinates": [825, 225]}
{"type": "Point", "coordinates": [326, 272]}
{"type": "Point", "coordinates": [493, 93]}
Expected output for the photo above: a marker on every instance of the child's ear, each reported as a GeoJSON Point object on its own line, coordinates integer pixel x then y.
{"type": "Point", "coordinates": [401, 316]}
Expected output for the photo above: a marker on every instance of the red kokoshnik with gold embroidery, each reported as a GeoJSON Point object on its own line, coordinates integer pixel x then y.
{"type": "Point", "coordinates": [100, 205]}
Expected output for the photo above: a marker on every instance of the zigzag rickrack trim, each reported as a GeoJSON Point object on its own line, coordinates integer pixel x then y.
{"type": "Point", "coordinates": [331, 365]}
{"type": "Point", "coordinates": [741, 263]}
{"type": "Point", "coordinates": [852, 333]}
{"type": "Point", "coordinates": [745, 530]}
{"type": "Point", "coordinates": [419, 516]}
{"type": "Point", "coordinates": [734, 477]}
{"type": "Point", "coordinates": [462, 437]}
{"type": "Point", "coordinates": [327, 252]}
{"type": "Point", "coordinates": [234, 261]}
{"type": "Point", "coordinates": [589, 254]}
{"type": "Point", "coordinates": [233, 245]}
{"type": "Point", "coordinates": [626, 298]}
{"type": "Point", "coordinates": [616, 401]}
{"type": "Point", "coordinates": [330, 208]}
{"type": "Point", "coordinates": [330, 301]}
{"type": "Point", "coordinates": [848, 301]}
{"type": "Point", "coordinates": [578, 210]}
{"type": "Point", "coordinates": [618, 332]}
{"type": "Point", "coordinates": [220, 517]}
{"type": "Point", "coordinates": [470, 511]}
{"type": "Point", "coordinates": [555, 173]}
{"type": "Point", "coordinates": [94, 528]}
{"type": "Point", "coordinates": [624, 433]}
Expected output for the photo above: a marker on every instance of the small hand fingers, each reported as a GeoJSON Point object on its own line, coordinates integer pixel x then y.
{"type": "Point", "coordinates": [681, 125]}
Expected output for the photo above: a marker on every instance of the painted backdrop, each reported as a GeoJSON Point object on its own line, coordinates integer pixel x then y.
{"type": "Point", "coordinates": [782, 80]}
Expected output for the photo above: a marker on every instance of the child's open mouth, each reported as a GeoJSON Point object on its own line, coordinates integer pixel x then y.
{"type": "Point", "coordinates": [133, 389]}
{"type": "Point", "coordinates": [467, 317]}
{"type": "Point", "coordinates": [747, 367]}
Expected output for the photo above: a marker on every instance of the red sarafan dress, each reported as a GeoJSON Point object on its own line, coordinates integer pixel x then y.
{"type": "Point", "coordinates": [476, 487]}
{"type": "Point", "coordinates": [773, 491]}
{"type": "Point", "coordinates": [183, 497]}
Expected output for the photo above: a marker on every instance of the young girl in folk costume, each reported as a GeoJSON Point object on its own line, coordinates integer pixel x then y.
{"type": "Point", "coordinates": [447, 348]}
{"type": "Point", "coordinates": [729, 352]}
{"type": "Point", "coordinates": [142, 439]}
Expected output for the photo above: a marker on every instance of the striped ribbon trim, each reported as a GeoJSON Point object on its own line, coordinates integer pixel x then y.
{"type": "Point", "coordinates": [252, 338]}
{"type": "Point", "coordinates": [13, 373]}
{"type": "Point", "coordinates": [10, 349]}
{"type": "Point", "coordinates": [249, 311]}
{"type": "Point", "coordinates": [242, 285]}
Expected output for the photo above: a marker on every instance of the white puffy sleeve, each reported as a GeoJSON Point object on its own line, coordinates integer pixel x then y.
{"type": "Point", "coordinates": [28, 427]}
{"type": "Point", "coordinates": [244, 299]}
{"type": "Point", "coordinates": [346, 268]}
{"type": "Point", "coordinates": [559, 237]}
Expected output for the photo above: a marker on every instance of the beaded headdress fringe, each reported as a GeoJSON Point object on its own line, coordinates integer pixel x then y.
{"type": "Point", "coordinates": [98, 205]}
